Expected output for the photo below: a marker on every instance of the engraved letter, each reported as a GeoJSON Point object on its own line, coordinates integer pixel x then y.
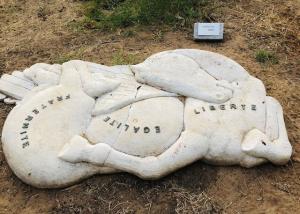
{"type": "Point", "coordinates": [253, 107]}
{"type": "Point", "coordinates": [222, 107]}
{"type": "Point", "coordinates": [146, 130]}
{"type": "Point", "coordinates": [243, 106]}
{"type": "Point", "coordinates": [112, 123]}
{"type": "Point", "coordinates": [157, 129]}
{"type": "Point", "coordinates": [106, 119]}
{"type": "Point", "coordinates": [29, 118]}
{"type": "Point", "coordinates": [25, 144]}
{"type": "Point", "coordinates": [35, 111]}
{"type": "Point", "coordinates": [196, 111]}
{"type": "Point", "coordinates": [25, 125]}
{"type": "Point", "coordinates": [25, 138]}
{"type": "Point", "coordinates": [126, 127]}
{"type": "Point", "coordinates": [232, 106]}
{"type": "Point", "coordinates": [136, 129]}
{"type": "Point", "coordinates": [212, 108]}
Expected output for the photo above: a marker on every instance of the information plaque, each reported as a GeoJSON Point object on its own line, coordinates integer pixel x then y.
{"type": "Point", "coordinates": [208, 31]}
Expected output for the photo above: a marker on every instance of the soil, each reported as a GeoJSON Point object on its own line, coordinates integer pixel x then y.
{"type": "Point", "coordinates": [49, 31]}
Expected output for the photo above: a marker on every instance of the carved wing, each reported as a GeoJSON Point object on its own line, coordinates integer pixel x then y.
{"type": "Point", "coordinates": [128, 92]}
{"type": "Point", "coordinates": [40, 76]}
{"type": "Point", "coordinates": [193, 73]}
{"type": "Point", "coordinates": [18, 84]}
{"type": "Point", "coordinates": [117, 83]}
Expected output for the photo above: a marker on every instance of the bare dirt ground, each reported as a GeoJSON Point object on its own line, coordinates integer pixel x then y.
{"type": "Point", "coordinates": [46, 31]}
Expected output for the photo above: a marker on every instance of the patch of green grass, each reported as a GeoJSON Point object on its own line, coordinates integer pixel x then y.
{"type": "Point", "coordinates": [121, 58]}
{"type": "Point", "coordinates": [75, 26]}
{"type": "Point", "coordinates": [75, 54]}
{"type": "Point", "coordinates": [128, 33]}
{"type": "Point", "coordinates": [62, 59]}
{"type": "Point", "coordinates": [264, 56]}
{"type": "Point", "coordinates": [111, 14]}
{"type": "Point", "coordinates": [158, 36]}
{"type": "Point", "coordinates": [42, 13]}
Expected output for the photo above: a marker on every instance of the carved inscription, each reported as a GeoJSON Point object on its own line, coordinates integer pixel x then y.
{"type": "Point", "coordinates": [223, 107]}
{"type": "Point", "coordinates": [34, 113]}
{"type": "Point", "coordinates": [134, 129]}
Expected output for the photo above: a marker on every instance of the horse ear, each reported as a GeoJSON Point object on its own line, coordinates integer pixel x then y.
{"type": "Point", "coordinates": [76, 75]}
{"type": "Point", "coordinates": [41, 73]}
{"type": "Point", "coordinates": [70, 76]}
{"type": "Point", "coordinates": [95, 88]}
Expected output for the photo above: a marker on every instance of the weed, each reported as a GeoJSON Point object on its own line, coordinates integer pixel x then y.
{"type": "Point", "coordinates": [264, 56]}
{"type": "Point", "coordinates": [62, 59]}
{"type": "Point", "coordinates": [76, 54]}
{"type": "Point", "coordinates": [75, 26]}
{"type": "Point", "coordinates": [121, 58]}
{"type": "Point", "coordinates": [158, 36]}
{"type": "Point", "coordinates": [128, 33]}
{"type": "Point", "coordinates": [41, 13]}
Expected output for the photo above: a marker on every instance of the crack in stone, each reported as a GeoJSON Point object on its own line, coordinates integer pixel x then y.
{"type": "Point", "coordinates": [270, 131]}
{"type": "Point", "coordinates": [266, 116]}
{"type": "Point", "coordinates": [120, 132]}
{"type": "Point", "coordinates": [182, 130]}
{"type": "Point", "coordinates": [205, 69]}
{"type": "Point", "coordinates": [138, 88]}
{"type": "Point", "coordinates": [196, 63]}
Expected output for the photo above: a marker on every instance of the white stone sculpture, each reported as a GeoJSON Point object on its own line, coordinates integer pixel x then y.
{"type": "Point", "coordinates": [79, 118]}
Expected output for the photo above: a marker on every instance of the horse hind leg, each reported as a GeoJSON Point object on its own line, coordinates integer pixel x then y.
{"type": "Point", "coordinates": [187, 149]}
{"type": "Point", "coordinates": [78, 149]}
{"type": "Point", "coordinates": [274, 144]}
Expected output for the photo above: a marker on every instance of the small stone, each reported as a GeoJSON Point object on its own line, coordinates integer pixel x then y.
{"type": "Point", "coordinates": [10, 101]}
{"type": "Point", "coordinates": [259, 198]}
{"type": "Point", "coordinates": [2, 96]}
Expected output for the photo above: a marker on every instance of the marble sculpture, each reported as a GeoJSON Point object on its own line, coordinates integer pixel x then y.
{"type": "Point", "coordinates": [78, 119]}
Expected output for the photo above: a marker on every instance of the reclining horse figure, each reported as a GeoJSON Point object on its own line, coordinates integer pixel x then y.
{"type": "Point", "coordinates": [79, 118]}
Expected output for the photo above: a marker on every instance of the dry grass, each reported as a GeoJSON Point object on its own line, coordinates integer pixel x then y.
{"type": "Point", "coordinates": [270, 25]}
{"type": "Point", "coordinates": [190, 202]}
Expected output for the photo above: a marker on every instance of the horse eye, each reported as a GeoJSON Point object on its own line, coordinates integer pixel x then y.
{"type": "Point", "coordinates": [235, 84]}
